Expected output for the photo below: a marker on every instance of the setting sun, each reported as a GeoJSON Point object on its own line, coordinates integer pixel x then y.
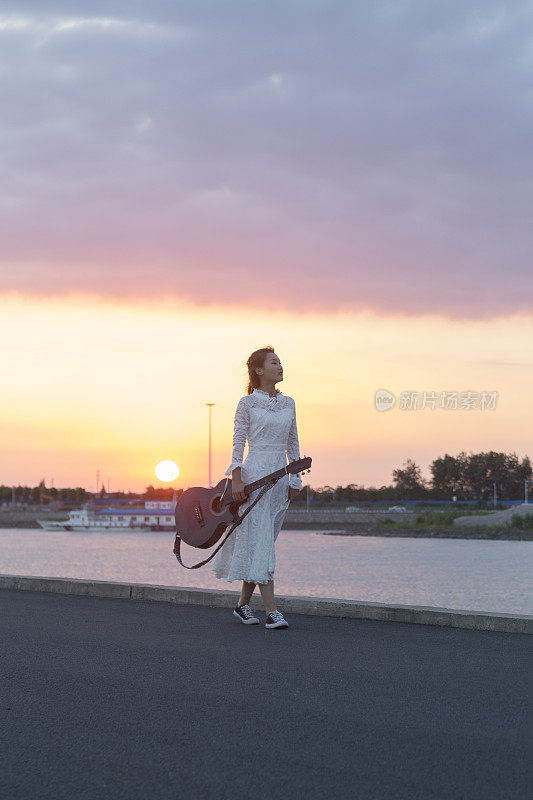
{"type": "Point", "coordinates": [167, 471]}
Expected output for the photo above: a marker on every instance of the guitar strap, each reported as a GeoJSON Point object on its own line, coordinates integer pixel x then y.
{"type": "Point", "coordinates": [237, 521]}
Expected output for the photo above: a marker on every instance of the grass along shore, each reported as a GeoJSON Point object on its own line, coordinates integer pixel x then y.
{"type": "Point", "coordinates": [439, 524]}
{"type": "Point", "coordinates": [426, 524]}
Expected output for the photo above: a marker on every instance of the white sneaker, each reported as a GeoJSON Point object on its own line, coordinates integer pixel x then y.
{"type": "Point", "coordinates": [245, 614]}
{"type": "Point", "coordinates": [276, 620]}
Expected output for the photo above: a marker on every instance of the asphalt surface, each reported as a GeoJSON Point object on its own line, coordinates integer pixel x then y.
{"type": "Point", "coordinates": [108, 698]}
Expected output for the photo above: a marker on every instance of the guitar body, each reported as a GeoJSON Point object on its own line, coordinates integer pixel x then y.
{"type": "Point", "coordinates": [202, 515]}
{"type": "Point", "coordinates": [201, 518]}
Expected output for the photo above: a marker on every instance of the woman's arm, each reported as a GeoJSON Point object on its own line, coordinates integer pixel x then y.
{"type": "Point", "coordinates": [293, 450]}
{"type": "Point", "coordinates": [241, 427]}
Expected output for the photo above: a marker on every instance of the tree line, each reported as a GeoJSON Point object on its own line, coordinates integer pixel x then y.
{"type": "Point", "coordinates": [43, 495]}
{"type": "Point", "coordinates": [464, 476]}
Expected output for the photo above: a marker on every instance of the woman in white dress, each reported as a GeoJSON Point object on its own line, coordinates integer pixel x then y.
{"type": "Point", "coordinates": [267, 419]}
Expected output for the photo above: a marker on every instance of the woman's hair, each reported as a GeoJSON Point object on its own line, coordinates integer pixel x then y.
{"type": "Point", "coordinates": [257, 359]}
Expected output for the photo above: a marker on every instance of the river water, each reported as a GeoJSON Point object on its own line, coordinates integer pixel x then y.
{"type": "Point", "coordinates": [476, 575]}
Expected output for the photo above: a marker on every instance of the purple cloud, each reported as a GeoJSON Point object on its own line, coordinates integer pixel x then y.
{"type": "Point", "coordinates": [311, 155]}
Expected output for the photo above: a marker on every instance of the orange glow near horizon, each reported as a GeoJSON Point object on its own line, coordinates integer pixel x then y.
{"type": "Point", "coordinates": [89, 385]}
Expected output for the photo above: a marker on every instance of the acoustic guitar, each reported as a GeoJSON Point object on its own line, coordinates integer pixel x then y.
{"type": "Point", "coordinates": [202, 515]}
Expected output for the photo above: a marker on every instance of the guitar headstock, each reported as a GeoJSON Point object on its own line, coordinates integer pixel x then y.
{"type": "Point", "coordinates": [300, 465]}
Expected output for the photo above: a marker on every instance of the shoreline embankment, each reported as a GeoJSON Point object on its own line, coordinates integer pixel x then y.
{"type": "Point", "coordinates": [304, 604]}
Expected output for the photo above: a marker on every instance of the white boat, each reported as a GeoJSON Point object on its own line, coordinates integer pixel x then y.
{"type": "Point", "coordinates": [156, 515]}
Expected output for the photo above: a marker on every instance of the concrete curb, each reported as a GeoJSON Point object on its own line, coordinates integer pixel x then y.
{"type": "Point", "coordinates": [318, 606]}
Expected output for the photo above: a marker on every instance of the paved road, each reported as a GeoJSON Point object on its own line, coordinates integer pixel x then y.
{"type": "Point", "coordinates": [105, 698]}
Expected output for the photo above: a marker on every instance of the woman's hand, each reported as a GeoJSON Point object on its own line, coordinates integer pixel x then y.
{"type": "Point", "coordinates": [293, 493]}
{"type": "Point", "coordinates": [237, 490]}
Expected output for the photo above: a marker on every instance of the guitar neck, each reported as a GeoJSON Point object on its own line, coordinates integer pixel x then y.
{"type": "Point", "coordinates": [294, 467]}
{"type": "Point", "coordinates": [251, 487]}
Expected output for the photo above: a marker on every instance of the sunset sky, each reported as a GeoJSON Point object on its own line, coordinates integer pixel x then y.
{"type": "Point", "coordinates": [182, 184]}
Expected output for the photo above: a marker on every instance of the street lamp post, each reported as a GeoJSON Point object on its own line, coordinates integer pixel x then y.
{"type": "Point", "coordinates": [210, 406]}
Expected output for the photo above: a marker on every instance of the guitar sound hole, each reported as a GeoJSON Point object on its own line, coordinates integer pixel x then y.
{"type": "Point", "coordinates": [216, 505]}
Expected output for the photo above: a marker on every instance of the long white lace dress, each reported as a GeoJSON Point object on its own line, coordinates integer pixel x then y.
{"type": "Point", "coordinates": [269, 425]}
